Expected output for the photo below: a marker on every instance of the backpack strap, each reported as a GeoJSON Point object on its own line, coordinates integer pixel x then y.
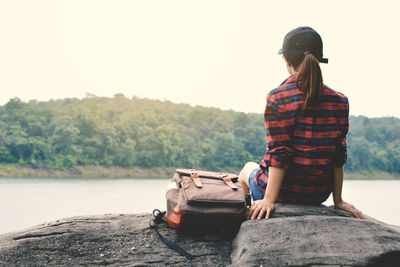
{"type": "Point", "coordinates": [159, 217]}
{"type": "Point", "coordinates": [228, 180]}
{"type": "Point", "coordinates": [196, 178]}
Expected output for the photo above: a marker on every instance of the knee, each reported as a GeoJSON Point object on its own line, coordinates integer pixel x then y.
{"type": "Point", "coordinates": [247, 169]}
{"type": "Point", "coordinates": [250, 165]}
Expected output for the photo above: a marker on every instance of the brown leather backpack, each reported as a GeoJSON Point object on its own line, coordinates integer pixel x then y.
{"type": "Point", "coordinates": [204, 199]}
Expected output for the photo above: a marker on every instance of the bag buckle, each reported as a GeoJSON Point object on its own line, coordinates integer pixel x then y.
{"type": "Point", "coordinates": [228, 181]}
{"type": "Point", "coordinates": [196, 178]}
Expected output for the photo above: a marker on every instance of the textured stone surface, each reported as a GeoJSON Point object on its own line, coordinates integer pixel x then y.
{"type": "Point", "coordinates": [110, 239]}
{"type": "Point", "coordinates": [295, 235]}
{"type": "Point", "coordinates": [308, 236]}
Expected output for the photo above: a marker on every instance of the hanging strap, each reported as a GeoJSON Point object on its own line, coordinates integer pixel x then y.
{"type": "Point", "coordinates": [158, 218]}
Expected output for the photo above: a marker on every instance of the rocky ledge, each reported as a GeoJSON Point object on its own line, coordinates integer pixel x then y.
{"type": "Point", "coordinates": [296, 235]}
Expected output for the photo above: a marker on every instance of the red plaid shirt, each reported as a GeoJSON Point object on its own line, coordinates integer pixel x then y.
{"type": "Point", "coordinates": [308, 143]}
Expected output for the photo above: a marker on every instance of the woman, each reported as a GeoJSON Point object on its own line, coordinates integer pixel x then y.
{"type": "Point", "coordinates": [306, 124]}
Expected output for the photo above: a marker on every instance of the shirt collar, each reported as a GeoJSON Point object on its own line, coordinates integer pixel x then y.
{"type": "Point", "coordinates": [290, 80]}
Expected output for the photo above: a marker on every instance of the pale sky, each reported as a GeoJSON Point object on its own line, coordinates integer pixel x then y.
{"type": "Point", "coordinates": [210, 53]}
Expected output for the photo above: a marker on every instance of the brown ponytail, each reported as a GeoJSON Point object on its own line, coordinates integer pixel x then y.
{"type": "Point", "coordinates": [309, 80]}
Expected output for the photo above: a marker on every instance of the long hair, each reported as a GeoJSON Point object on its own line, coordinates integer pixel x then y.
{"type": "Point", "coordinates": [309, 80]}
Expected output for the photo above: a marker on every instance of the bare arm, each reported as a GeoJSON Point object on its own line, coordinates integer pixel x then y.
{"type": "Point", "coordinates": [337, 184]}
{"type": "Point", "coordinates": [337, 194]}
{"type": "Point", "coordinates": [267, 205]}
{"type": "Point", "coordinates": [274, 183]}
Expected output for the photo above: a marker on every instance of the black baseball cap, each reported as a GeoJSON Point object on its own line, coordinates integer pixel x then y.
{"type": "Point", "coordinates": [299, 41]}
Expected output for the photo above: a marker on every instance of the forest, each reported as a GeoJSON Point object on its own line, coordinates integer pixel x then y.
{"type": "Point", "coordinates": [137, 132]}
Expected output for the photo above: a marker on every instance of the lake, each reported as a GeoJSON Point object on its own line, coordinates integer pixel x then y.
{"type": "Point", "coordinates": [25, 202]}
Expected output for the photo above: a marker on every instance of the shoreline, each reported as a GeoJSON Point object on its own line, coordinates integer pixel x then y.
{"type": "Point", "coordinates": [371, 176]}
{"type": "Point", "coordinates": [15, 170]}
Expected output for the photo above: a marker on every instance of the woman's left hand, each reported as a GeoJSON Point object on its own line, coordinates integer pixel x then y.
{"type": "Point", "coordinates": [259, 208]}
{"type": "Point", "coordinates": [349, 208]}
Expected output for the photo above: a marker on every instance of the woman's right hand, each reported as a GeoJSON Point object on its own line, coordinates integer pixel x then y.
{"type": "Point", "coordinates": [259, 208]}
{"type": "Point", "coordinates": [349, 208]}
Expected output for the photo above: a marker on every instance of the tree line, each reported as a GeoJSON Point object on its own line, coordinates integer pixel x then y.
{"type": "Point", "coordinates": [118, 131]}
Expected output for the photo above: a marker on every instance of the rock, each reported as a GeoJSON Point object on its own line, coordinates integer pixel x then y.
{"type": "Point", "coordinates": [315, 236]}
{"type": "Point", "coordinates": [110, 240]}
{"type": "Point", "coordinates": [295, 235]}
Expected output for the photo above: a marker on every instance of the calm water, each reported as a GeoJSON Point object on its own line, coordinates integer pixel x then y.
{"type": "Point", "coordinates": [25, 202]}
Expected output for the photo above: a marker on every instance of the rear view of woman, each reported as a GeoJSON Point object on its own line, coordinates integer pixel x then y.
{"type": "Point", "coordinates": [306, 124]}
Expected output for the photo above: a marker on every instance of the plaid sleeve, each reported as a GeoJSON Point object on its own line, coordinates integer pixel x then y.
{"type": "Point", "coordinates": [279, 145]}
{"type": "Point", "coordinates": [340, 156]}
